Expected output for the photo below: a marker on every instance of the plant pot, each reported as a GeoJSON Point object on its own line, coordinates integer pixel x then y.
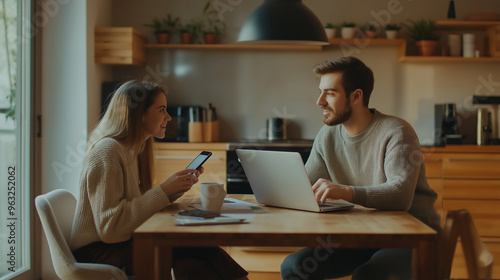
{"type": "Point", "coordinates": [391, 34]}
{"type": "Point", "coordinates": [210, 38]}
{"type": "Point", "coordinates": [348, 32]}
{"type": "Point", "coordinates": [162, 38]}
{"type": "Point", "coordinates": [187, 38]}
{"type": "Point", "coordinates": [330, 32]}
{"type": "Point", "coordinates": [371, 34]}
{"type": "Point", "coordinates": [427, 47]}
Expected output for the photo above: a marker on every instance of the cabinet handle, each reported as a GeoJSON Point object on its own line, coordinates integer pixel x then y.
{"type": "Point", "coordinates": [433, 160]}
{"type": "Point", "coordinates": [474, 160]}
{"type": "Point", "coordinates": [183, 157]}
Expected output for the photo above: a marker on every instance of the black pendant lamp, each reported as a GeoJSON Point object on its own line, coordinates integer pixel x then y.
{"type": "Point", "coordinates": [283, 22]}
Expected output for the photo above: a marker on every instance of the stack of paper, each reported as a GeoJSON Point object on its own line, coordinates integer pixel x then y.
{"type": "Point", "coordinates": [233, 211]}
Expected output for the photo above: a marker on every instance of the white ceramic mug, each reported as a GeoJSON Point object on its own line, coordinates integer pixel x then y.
{"type": "Point", "coordinates": [212, 196]}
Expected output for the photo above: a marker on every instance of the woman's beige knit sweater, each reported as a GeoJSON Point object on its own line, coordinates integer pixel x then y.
{"type": "Point", "coordinates": [110, 205]}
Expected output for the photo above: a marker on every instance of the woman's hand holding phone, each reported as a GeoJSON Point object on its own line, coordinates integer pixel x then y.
{"type": "Point", "coordinates": [181, 181]}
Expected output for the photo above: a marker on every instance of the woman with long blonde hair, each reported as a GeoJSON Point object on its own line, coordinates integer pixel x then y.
{"type": "Point", "coordinates": [117, 193]}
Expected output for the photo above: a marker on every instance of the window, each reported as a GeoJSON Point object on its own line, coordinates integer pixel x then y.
{"type": "Point", "coordinates": [15, 135]}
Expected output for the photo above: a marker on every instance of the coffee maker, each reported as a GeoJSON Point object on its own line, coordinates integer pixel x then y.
{"type": "Point", "coordinates": [487, 119]}
{"type": "Point", "coordinates": [446, 125]}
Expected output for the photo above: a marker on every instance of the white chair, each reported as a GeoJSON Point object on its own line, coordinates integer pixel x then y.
{"type": "Point", "coordinates": [56, 210]}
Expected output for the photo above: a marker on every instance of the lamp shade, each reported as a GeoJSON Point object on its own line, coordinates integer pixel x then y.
{"type": "Point", "coordinates": [283, 22]}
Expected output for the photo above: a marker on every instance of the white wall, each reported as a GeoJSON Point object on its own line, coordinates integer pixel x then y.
{"type": "Point", "coordinates": [70, 91]}
{"type": "Point", "coordinates": [249, 86]}
{"type": "Point", "coordinates": [98, 15]}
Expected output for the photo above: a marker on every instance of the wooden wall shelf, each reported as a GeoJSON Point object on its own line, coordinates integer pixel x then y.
{"type": "Point", "coordinates": [465, 24]}
{"type": "Point", "coordinates": [448, 59]}
{"type": "Point", "coordinates": [115, 45]}
{"type": "Point", "coordinates": [235, 47]}
{"type": "Point", "coordinates": [367, 41]}
{"type": "Point", "coordinates": [333, 42]}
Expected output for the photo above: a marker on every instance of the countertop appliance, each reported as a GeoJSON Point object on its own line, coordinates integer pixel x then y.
{"type": "Point", "coordinates": [446, 125]}
{"type": "Point", "coordinates": [276, 129]}
{"type": "Point", "coordinates": [237, 182]}
{"type": "Point", "coordinates": [488, 124]}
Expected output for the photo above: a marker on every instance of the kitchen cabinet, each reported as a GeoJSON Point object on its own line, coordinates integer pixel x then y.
{"type": "Point", "coordinates": [119, 46]}
{"type": "Point", "coordinates": [470, 179]}
{"type": "Point", "coordinates": [173, 157]}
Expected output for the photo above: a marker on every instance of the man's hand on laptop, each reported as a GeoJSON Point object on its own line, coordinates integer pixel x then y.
{"type": "Point", "coordinates": [324, 189]}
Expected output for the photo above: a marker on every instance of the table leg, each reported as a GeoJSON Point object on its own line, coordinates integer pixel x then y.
{"type": "Point", "coordinates": [144, 258]}
{"type": "Point", "coordinates": [163, 262]}
{"type": "Point", "coordinates": [425, 262]}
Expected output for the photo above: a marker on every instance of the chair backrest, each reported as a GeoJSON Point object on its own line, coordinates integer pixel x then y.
{"type": "Point", "coordinates": [448, 244]}
{"type": "Point", "coordinates": [478, 259]}
{"type": "Point", "coordinates": [57, 210]}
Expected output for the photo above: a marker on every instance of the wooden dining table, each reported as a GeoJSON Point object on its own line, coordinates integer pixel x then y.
{"type": "Point", "coordinates": [359, 227]}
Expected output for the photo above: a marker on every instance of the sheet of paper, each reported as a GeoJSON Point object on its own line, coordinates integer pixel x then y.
{"type": "Point", "coordinates": [192, 221]}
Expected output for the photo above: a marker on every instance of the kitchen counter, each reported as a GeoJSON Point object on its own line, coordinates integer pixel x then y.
{"type": "Point", "coordinates": [463, 149]}
{"type": "Point", "coordinates": [191, 146]}
{"type": "Point", "coordinates": [228, 145]}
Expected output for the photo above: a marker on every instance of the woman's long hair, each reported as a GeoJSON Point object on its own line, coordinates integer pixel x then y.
{"type": "Point", "coordinates": [123, 122]}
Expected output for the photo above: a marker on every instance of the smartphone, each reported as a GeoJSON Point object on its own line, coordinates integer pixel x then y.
{"type": "Point", "coordinates": [199, 213]}
{"type": "Point", "coordinates": [199, 160]}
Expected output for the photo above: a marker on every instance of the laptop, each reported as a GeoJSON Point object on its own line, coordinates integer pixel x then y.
{"type": "Point", "coordinates": [280, 179]}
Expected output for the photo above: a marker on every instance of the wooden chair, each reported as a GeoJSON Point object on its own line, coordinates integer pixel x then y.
{"type": "Point", "coordinates": [477, 257]}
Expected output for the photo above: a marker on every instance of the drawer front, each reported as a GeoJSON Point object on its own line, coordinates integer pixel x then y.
{"type": "Point", "coordinates": [433, 165]}
{"type": "Point", "coordinates": [170, 161]}
{"type": "Point", "coordinates": [485, 213]}
{"type": "Point", "coordinates": [459, 268]}
{"type": "Point", "coordinates": [471, 189]}
{"type": "Point", "coordinates": [471, 166]}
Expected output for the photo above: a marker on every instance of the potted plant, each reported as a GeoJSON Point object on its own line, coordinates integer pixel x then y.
{"type": "Point", "coordinates": [422, 32]}
{"type": "Point", "coordinates": [163, 28]}
{"type": "Point", "coordinates": [330, 30]}
{"type": "Point", "coordinates": [189, 31]}
{"type": "Point", "coordinates": [370, 30]}
{"type": "Point", "coordinates": [348, 29]}
{"type": "Point", "coordinates": [391, 30]}
{"type": "Point", "coordinates": [212, 27]}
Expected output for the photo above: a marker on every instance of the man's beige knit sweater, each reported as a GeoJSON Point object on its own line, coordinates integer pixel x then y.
{"type": "Point", "coordinates": [110, 205]}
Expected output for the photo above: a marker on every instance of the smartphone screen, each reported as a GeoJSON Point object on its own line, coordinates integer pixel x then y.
{"type": "Point", "coordinates": [199, 160]}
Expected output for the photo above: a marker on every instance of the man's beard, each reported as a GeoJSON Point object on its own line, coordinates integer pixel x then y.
{"type": "Point", "coordinates": [338, 117]}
